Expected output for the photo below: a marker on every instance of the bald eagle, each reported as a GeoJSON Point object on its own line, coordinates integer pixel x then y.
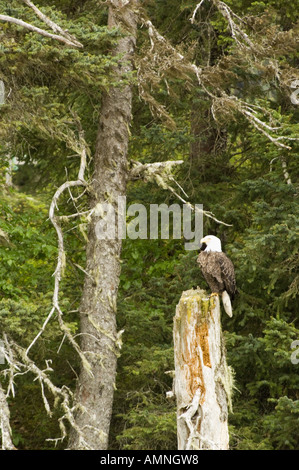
{"type": "Point", "coordinates": [218, 271]}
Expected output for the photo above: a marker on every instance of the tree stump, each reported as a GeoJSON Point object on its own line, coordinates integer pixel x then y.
{"type": "Point", "coordinates": [203, 381]}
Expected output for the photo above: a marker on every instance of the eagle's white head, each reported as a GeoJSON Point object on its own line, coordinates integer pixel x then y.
{"type": "Point", "coordinates": [213, 243]}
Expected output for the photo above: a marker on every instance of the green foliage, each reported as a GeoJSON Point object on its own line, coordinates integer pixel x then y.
{"type": "Point", "coordinates": [24, 220]}
{"type": "Point", "coordinates": [282, 423]}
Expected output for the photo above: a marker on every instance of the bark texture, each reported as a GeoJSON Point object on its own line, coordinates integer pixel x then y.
{"type": "Point", "coordinates": [203, 381]}
{"type": "Point", "coordinates": [98, 305]}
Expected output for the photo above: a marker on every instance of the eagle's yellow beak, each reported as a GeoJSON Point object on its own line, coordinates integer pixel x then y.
{"type": "Point", "coordinates": [203, 240]}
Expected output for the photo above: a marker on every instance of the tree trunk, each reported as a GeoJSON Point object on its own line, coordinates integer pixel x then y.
{"type": "Point", "coordinates": [98, 306]}
{"type": "Point", "coordinates": [203, 381]}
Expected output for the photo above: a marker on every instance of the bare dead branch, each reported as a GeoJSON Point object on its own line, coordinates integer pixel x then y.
{"type": "Point", "coordinates": [35, 29]}
{"type": "Point", "coordinates": [248, 110]}
{"type": "Point", "coordinates": [19, 364]}
{"type": "Point", "coordinates": [192, 19]}
{"type": "Point", "coordinates": [148, 170]}
{"type": "Point", "coordinates": [161, 174]}
{"type": "Point", "coordinates": [55, 27]}
{"type": "Point", "coordinates": [285, 170]}
{"type": "Point", "coordinates": [237, 32]}
{"type": "Point", "coordinates": [61, 259]}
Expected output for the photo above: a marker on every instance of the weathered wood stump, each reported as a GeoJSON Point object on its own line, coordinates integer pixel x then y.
{"type": "Point", "coordinates": [203, 381]}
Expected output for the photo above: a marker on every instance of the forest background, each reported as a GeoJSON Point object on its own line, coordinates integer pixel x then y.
{"type": "Point", "coordinates": [230, 166]}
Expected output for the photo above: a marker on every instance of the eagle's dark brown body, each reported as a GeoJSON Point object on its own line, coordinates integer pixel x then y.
{"type": "Point", "coordinates": [218, 271]}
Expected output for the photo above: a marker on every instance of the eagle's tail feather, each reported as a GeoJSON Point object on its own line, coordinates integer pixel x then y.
{"type": "Point", "coordinates": [227, 303]}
